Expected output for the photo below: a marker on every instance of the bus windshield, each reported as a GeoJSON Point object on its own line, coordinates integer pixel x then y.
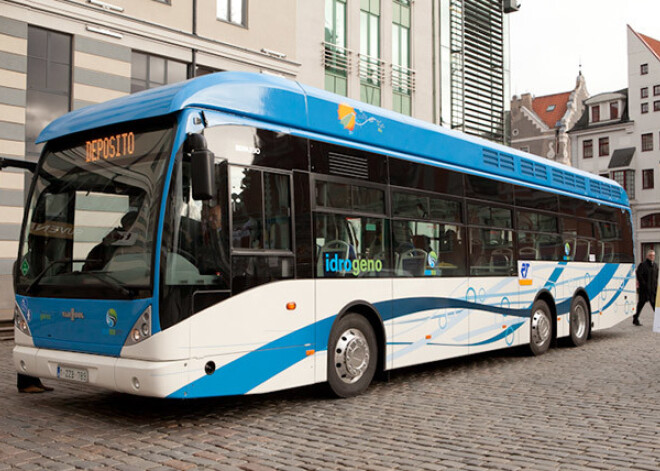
{"type": "Point", "coordinates": [93, 214]}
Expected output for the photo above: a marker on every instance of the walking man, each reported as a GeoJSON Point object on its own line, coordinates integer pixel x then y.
{"type": "Point", "coordinates": [647, 284]}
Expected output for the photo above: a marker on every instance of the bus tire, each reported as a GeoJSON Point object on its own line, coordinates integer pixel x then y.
{"type": "Point", "coordinates": [352, 355]}
{"type": "Point", "coordinates": [580, 320]}
{"type": "Point", "coordinates": [540, 335]}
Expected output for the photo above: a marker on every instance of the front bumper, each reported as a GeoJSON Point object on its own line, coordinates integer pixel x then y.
{"type": "Point", "coordinates": [144, 378]}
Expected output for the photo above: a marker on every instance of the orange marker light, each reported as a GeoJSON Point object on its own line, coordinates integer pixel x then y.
{"type": "Point", "coordinates": [291, 306]}
{"type": "Point", "coordinates": [558, 319]}
{"type": "Point", "coordinates": [428, 337]}
{"type": "Point", "coordinates": [504, 327]}
{"type": "Point", "coordinates": [310, 352]}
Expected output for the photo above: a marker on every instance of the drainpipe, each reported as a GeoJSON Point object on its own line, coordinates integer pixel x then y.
{"type": "Point", "coordinates": [193, 65]}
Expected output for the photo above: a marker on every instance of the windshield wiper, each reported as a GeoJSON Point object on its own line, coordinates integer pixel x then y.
{"type": "Point", "coordinates": [48, 267]}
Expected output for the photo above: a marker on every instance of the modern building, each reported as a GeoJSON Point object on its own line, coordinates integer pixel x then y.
{"type": "Point", "coordinates": [618, 136]}
{"type": "Point", "coordinates": [443, 61]}
{"type": "Point", "coordinates": [539, 125]}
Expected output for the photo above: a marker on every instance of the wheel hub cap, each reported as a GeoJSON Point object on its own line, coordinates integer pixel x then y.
{"type": "Point", "coordinates": [540, 328]}
{"type": "Point", "coordinates": [579, 321]}
{"type": "Point", "coordinates": [351, 356]}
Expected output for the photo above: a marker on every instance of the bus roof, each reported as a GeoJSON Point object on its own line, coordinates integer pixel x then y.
{"type": "Point", "coordinates": [286, 103]}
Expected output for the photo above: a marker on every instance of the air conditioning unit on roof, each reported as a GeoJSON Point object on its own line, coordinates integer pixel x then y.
{"type": "Point", "coordinates": [511, 5]}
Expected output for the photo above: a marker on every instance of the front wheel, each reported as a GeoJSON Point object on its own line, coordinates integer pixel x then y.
{"type": "Point", "coordinates": [352, 356]}
{"type": "Point", "coordinates": [580, 320]}
{"type": "Point", "coordinates": [540, 328]}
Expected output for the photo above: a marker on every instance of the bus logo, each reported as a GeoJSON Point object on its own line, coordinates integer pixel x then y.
{"type": "Point", "coordinates": [524, 273]}
{"type": "Point", "coordinates": [111, 318]}
{"type": "Point", "coordinates": [73, 315]}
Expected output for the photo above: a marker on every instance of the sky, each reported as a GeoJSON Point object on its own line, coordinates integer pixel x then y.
{"type": "Point", "coordinates": [551, 38]}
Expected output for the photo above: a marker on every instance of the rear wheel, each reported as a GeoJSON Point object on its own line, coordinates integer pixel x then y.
{"type": "Point", "coordinates": [540, 328]}
{"type": "Point", "coordinates": [580, 320]}
{"type": "Point", "coordinates": [352, 356]}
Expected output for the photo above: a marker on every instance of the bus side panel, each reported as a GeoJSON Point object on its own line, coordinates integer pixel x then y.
{"type": "Point", "coordinates": [333, 296]}
{"type": "Point", "coordinates": [430, 320]}
{"type": "Point", "coordinates": [254, 342]}
{"type": "Point", "coordinates": [497, 319]}
{"type": "Point", "coordinates": [543, 276]}
{"type": "Point", "coordinates": [618, 299]}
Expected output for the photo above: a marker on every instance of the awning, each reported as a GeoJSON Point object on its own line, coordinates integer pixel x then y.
{"type": "Point", "coordinates": [621, 157]}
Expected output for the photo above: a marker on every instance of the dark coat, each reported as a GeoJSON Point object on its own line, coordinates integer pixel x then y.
{"type": "Point", "coordinates": [647, 277]}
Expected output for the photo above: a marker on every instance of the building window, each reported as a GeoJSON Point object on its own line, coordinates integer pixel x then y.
{"type": "Point", "coordinates": [647, 142]}
{"type": "Point", "coordinates": [595, 113]}
{"type": "Point", "coordinates": [656, 105]}
{"type": "Point", "coordinates": [48, 93]}
{"type": "Point", "coordinates": [402, 75]}
{"type": "Point", "coordinates": [647, 179]}
{"type": "Point", "coordinates": [148, 71]}
{"type": "Point", "coordinates": [645, 108]}
{"type": "Point", "coordinates": [525, 148]}
{"type": "Point", "coordinates": [656, 90]}
{"type": "Point", "coordinates": [614, 110]}
{"type": "Point", "coordinates": [335, 53]}
{"type": "Point", "coordinates": [232, 11]}
{"type": "Point", "coordinates": [650, 221]}
{"type": "Point", "coordinates": [644, 69]}
{"type": "Point", "coordinates": [587, 149]}
{"type": "Point", "coordinates": [370, 68]}
{"type": "Point", "coordinates": [625, 178]}
{"type": "Point", "coordinates": [605, 175]}
{"type": "Point", "coordinates": [603, 146]}
{"type": "Point", "coordinates": [644, 92]}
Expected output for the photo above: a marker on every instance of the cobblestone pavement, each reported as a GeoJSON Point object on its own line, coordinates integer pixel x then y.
{"type": "Point", "coordinates": [595, 407]}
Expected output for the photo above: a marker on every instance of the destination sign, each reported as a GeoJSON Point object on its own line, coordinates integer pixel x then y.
{"type": "Point", "coordinates": [111, 147]}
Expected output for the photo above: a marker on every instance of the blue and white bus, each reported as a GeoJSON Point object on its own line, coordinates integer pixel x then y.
{"type": "Point", "coordinates": [240, 234]}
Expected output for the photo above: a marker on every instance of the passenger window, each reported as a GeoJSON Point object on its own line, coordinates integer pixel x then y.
{"type": "Point", "coordinates": [333, 195]}
{"type": "Point", "coordinates": [535, 246]}
{"type": "Point", "coordinates": [530, 221]}
{"type": "Point", "coordinates": [353, 197]}
{"type": "Point", "coordinates": [409, 205]}
{"type": "Point", "coordinates": [351, 246]}
{"type": "Point", "coordinates": [491, 252]}
{"type": "Point", "coordinates": [482, 215]}
{"type": "Point", "coordinates": [445, 210]}
{"type": "Point", "coordinates": [423, 248]}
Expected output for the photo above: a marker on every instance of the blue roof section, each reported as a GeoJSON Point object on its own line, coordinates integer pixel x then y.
{"type": "Point", "coordinates": [287, 103]}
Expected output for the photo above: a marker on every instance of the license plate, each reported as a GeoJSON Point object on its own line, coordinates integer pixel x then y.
{"type": "Point", "coordinates": [73, 374]}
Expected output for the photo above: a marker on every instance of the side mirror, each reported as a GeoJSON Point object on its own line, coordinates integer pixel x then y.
{"type": "Point", "coordinates": [202, 168]}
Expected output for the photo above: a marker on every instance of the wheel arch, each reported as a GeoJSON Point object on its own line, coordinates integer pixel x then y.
{"type": "Point", "coordinates": [370, 312]}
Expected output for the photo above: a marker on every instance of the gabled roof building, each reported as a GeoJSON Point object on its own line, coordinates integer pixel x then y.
{"type": "Point", "coordinates": [539, 124]}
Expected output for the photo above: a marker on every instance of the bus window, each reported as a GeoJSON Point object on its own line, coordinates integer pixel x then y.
{"type": "Point", "coordinates": [536, 246]}
{"type": "Point", "coordinates": [352, 197]}
{"type": "Point", "coordinates": [277, 202]}
{"type": "Point", "coordinates": [481, 215]}
{"type": "Point", "coordinates": [351, 246]}
{"type": "Point", "coordinates": [491, 252]}
{"type": "Point", "coordinates": [539, 222]}
{"type": "Point", "coordinates": [246, 189]}
{"type": "Point", "coordinates": [423, 248]}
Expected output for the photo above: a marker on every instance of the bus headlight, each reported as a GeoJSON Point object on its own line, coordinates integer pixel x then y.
{"type": "Point", "coordinates": [141, 330]}
{"type": "Point", "coordinates": [19, 321]}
